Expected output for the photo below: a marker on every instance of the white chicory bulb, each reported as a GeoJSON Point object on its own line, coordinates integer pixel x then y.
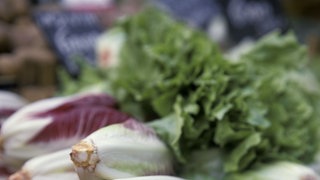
{"type": "Point", "coordinates": [279, 170]}
{"type": "Point", "coordinates": [53, 124]}
{"type": "Point", "coordinates": [49, 166]}
{"type": "Point", "coordinates": [108, 47]}
{"type": "Point", "coordinates": [9, 103]}
{"type": "Point", "coordinates": [58, 176]}
{"type": "Point", "coordinates": [4, 172]}
{"type": "Point", "coordinates": [159, 177]}
{"type": "Point", "coordinates": [121, 150]}
{"type": "Point", "coordinates": [315, 165]}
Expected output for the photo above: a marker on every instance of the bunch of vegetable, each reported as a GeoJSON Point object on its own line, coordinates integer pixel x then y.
{"type": "Point", "coordinates": [50, 139]}
{"type": "Point", "coordinates": [182, 109]}
{"type": "Point", "coordinates": [260, 109]}
{"type": "Point", "coordinates": [9, 103]}
{"type": "Point", "coordinates": [91, 79]}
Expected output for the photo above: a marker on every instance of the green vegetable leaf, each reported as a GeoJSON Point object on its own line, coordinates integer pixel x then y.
{"type": "Point", "coordinates": [261, 108]}
{"type": "Point", "coordinates": [233, 161]}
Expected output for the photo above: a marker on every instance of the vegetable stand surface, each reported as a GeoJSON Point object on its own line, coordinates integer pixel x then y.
{"type": "Point", "coordinates": [204, 115]}
{"type": "Point", "coordinates": [256, 110]}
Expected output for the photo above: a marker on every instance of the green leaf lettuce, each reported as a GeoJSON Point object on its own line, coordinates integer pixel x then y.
{"type": "Point", "coordinates": [259, 109]}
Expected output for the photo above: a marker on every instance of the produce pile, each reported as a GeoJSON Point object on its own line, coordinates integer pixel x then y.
{"type": "Point", "coordinates": [176, 106]}
{"type": "Point", "coordinates": [262, 108]}
{"type": "Point", "coordinates": [82, 134]}
{"type": "Point", "coordinates": [27, 62]}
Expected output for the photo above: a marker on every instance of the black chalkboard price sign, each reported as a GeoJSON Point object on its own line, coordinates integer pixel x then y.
{"type": "Point", "coordinates": [194, 12]}
{"type": "Point", "coordinates": [253, 18]}
{"type": "Point", "coordinates": [70, 34]}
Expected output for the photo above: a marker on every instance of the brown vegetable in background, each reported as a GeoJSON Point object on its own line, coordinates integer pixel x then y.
{"type": "Point", "coordinates": [39, 66]}
{"type": "Point", "coordinates": [5, 43]}
{"type": "Point", "coordinates": [23, 20]}
{"type": "Point", "coordinates": [19, 7]}
{"type": "Point", "coordinates": [11, 9]}
{"type": "Point", "coordinates": [9, 64]}
{"type": "Point", "coordinates": [27, 65]}
{"type": "Point", "coordinates": [34, 93]}
{"type": "Point", "coordinates": [6, 14]}
{"type": "Point", "coordinates": [26, 34]}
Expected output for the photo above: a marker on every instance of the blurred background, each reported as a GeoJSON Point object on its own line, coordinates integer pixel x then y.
{"type": "Point", "coordinates": [40, 38]}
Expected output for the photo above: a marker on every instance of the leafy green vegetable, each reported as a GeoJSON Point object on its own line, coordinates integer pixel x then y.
{"type": "Point", "coordinates": [204, 165]}
{"type": "Point", "coordinates": [90, 79]}
{"type": "Point", "coordinates": [277, 170]}
{"type": "Point", "coordinates": [259, 109]}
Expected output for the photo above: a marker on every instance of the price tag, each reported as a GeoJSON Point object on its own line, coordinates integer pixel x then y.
{"type": "Point", "coordinates": [253, 18]}
{"type": "Point", "coordinates": [194, 12]}
{"type": "Point", "coordinates": [70, 34]}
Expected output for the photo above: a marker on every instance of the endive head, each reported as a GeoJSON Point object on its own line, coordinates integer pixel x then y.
{"type": "Point", "coordinates": [4, 172]}
{"type": "Point", "coordinates": [279, 170]}
{"type": "Point", "coordinates": [46, 166]}
{"type": "Point", "coordinates": [156, 177]}
{"type": "Point", "coordinates": [108, 47]}
{"type": "Point", "coordinates": [10, 103]}
{"type": "Point", "coordinates": [52, 124]}
{"type": "Point", "coordinates": [121, 150]}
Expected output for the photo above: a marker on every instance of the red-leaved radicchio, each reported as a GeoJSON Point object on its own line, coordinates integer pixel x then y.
{"type": "Point", "coordinates": [53, 124]}
{"type": "Point", "coordinates": [9, 103]}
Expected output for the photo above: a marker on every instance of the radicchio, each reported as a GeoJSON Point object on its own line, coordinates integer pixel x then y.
{"type": "Point", "coordinates": [57, 123]}
{"type": "Point", "coordinates": [121, 150]}
{"type": "Point", "coordinates": [9, 103]}
{"type": "Point", "coordinates": [4, 172]}
{"type": "Point", "coordinates": [77, 122]}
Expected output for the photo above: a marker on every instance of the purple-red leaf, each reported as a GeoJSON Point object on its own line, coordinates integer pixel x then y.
{"type": "Point", "coordinates": [6, 112]}
{"type": "Point", "coordinates": [138, 126]}
{"type": "Point", "coordinates": [77, 122]}
{"type": "Point", "coordinates": [4, 172]}
{"type": "Point", "coordinates": [55, 123]}
{"type": "Point", "coordinates": [85, 101]}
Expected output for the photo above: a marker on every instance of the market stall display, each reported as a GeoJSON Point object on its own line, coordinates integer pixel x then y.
{"type": "Point", "coordinates": [164, 101]}
{"type": "Point", "coordinates": [27, 64]}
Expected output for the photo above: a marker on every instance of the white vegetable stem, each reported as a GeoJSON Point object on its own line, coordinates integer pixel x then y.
{"type": "Point", "coordinates": [281, 170]}
{"type": "Point", "coordinates": [53, 124]}
{"type": "Point", "coordinates": [52, 164]}
{"type": "Point", "coordinates": [120, 151]}
{"type": "Point", "coordinates": [108, 47]}
{"type": "Point", "coordinates": [152, 178]}
{"type": "Point", "coordinates": [11, 100]}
